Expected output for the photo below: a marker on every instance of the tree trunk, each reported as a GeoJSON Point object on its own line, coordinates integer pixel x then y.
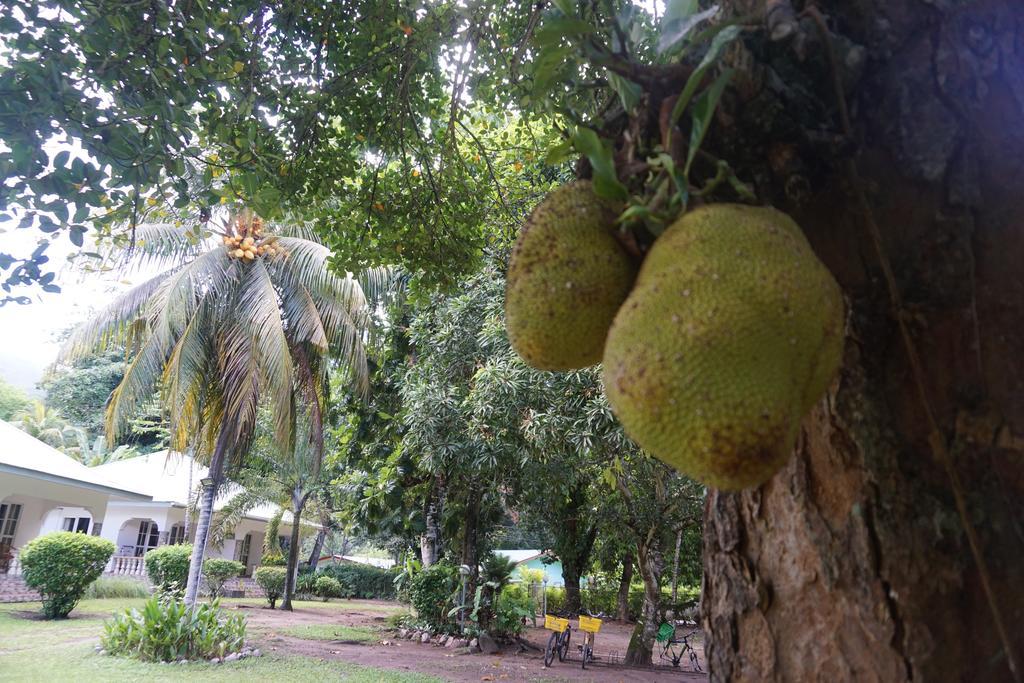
{"type": "Point", "coordinates": [641, 645]}
{"type": "Point", "coordinates": [854, 562]}
{"type": "Point", "coordinates": [469, 543]}
{"type": "Point", "coordinates": [573, 599]}
{"type": "Point", "coordinates": [430, 541]}
{"type": "Point", "coordinates": [298, 502]}
{"type": "Point", "coordinates": [675, 569]}
{"type": "Point", "coordinates": [318, 546]}
{"type": "Point", "coordinates": [210, 485]}
{"type": "Point", "coordinates": [624, 584]}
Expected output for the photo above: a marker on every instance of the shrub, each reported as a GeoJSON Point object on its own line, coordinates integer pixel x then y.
{"type": "Point", "coordinates": [169, 631]}
{"type": "Point", "coordinates": [555, 599]}
{"type": "Point", "coordinates": [271, 580]}
{"type": "Point", "coordinates": [327, 587]}
{"type": "Point", "coordinates": [513, 606]}
{"type": "Point", "coordinates": [305, 584]}
{"type": "Point", "coordinates": [217, 571]}
{"type": "Point", "coordinates": [274, 560]}
{"type": "Point", "coordinates": [431, 593]}
{"type": "Point", "coordinates": [168, 565]}
{"type": "Point", "coordinates": [116, 587]}
{"type": "Point", "coordinates": [364, 581]}
{"type": "Point", "coordinates": [61, 565]}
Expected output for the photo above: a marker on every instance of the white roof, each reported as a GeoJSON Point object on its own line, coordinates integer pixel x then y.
{"type": "Point", "coordinates": [164, 475]}
{"type": "Point", "coordinates": [22, 453]}
{"type": "Point", "coordinates": [519, 556]}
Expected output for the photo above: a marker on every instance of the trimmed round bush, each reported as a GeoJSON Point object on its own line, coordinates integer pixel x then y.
{"type": "Point", "coordinates": [217, 571]}
{"type": "Point", "coordinates": [431, 592]}
{"type": "Point", "coordinates": [167, 566]}
{"type": "Point", "coordinates": [271, 580]}
{"type": "Point", "coordinates": [274, 560]}
{"type": "Point", "coordinates": [61, 565]}
{"type": "Point", "coordinates": [327, 587]}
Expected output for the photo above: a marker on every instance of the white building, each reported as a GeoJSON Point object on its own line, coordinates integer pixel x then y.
{"type": "Point", "coordinates": [138, 503]}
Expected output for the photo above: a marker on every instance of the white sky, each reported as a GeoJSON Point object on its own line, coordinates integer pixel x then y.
{"type": "Point", "coordinates": [27, 333]}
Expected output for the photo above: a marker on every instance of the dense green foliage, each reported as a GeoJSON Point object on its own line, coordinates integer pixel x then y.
{"type": "Point", "coordinates": [364, 581]}
{"type": "Point", "coordinates": [12, 400]}
{"type": "Point", "coordinates": [167, 565]}
{"type": "Point", "coordinates": [168, 631]}
{"type": "Point", "coordinates": [431, 593]}
{"type": "Point", "coordinates": [271, 580]}
{"type": "Point", "coordinates": [116, 587]}
{"type": "Point", "coordinates": [61, 565]}
{"type": "Point", "coordinates": [327, 587]}
{"type": "Point", "coordinates": [217, 572]}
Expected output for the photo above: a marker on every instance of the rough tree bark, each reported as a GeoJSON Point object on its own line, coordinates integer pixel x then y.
{"type": "Point", "coordinates": [430, 540]}
{"type": "Point", "coordinates": [318, 547]}
{"type": "Point", "coordinates": [210, 483]}
{"type": "Point", "coordinates": [298, 503]}
{"type": "Point", "coordinates": [622, 613]}
{"type": "Point", "coordinates": [651, 561]}
{"type": "Point", "coordinates": [853, 563]}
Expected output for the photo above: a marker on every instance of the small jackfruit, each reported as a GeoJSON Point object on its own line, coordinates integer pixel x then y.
{"type": "Point", "coordinates": [733, 331]}
{"type": "Point", "coordinates": [566, 279]}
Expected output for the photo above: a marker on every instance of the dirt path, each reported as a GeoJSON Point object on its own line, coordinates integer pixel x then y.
{"type": "Point", "coordinates": [267, 632]}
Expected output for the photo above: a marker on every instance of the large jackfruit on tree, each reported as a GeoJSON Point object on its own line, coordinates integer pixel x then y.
{"type": "Point", "coordinates": [733, 330]}
{"type": "Point", "coordinates": [566, 279]}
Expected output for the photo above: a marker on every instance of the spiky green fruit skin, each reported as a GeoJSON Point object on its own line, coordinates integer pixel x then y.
{"type": "Point", "coordinates": [733, 331]}
{"type": "Point", "coordinates": [567, 277]}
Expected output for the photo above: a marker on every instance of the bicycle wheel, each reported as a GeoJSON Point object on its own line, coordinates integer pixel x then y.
{"type": "Point", "coordinates": [563, 647]}
{"type": "Point", "coordinates": [549, 653]}
{"type": "Point", "coordinates": [695, 662]}
{"type": "Point", "coordinates": [588, 654]}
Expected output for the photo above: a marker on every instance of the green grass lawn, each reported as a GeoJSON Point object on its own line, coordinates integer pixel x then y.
{"type": "Point", "coordinates": [357, 634]}
{"type": "Point", "coordinates": [36, 650]}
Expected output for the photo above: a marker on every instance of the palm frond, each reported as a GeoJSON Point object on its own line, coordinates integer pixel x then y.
{"type": "Point", "coordinates": [159, 244]}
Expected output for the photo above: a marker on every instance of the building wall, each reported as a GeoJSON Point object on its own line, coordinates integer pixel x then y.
{"type": "Point", "coordinates": [41, 503]}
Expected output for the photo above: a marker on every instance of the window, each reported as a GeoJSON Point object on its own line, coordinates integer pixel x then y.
{"type": "Point", "coordinates": [177, 534]}
{"type": "Point", "coordinates": [97, 528]}
{"type": "Point", "coordinates": [79, 524]}
{"type": "Point", "coordinates": [148, 538]}
{"type": "Point", "coordinates": [9, 514]}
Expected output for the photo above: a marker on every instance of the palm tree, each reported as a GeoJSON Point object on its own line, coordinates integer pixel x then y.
{"type": "Point", "coordinates": [95, 452]}
{"type": "Point", "coordinates": [47, 425]}
{"type": "Point", "coordinates": [225, 329]}
{"type": "Point", "coordinates": [290, 480]}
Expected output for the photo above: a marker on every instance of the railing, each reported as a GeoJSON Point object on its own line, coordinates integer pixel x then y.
{"type": "Point", "coordinates": [13, 565]}
{"type": "Point", "coordinates": [126, 565]}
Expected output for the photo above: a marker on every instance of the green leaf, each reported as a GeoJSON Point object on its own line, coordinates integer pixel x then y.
{"type": "Point", "coordinates": [677, 26]}
{"type": "Point", "coordinates": [628, 91]}
{"type": "Point", "coordinates": [723, 38]}
{"type": "Point", "coordinates": [566, 7]}
{"type": "Point", "coordinates": [558, 153]}
{"type": "Point", "coordinates": [703, 110]}
{"type": "Point", "coordinates": [554, 30]}
{"type": "Point", "coordinates": [606, 182]}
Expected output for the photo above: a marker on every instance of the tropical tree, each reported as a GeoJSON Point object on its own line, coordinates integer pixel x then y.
{"type": "Point", "coordinates": [93, 452]}
{"type": "Point", "coordinates": [225, 329]}
{"type": "Point", "coordinates": [12, 400]}
{"type": "Point", "coordinates": [46, 424]}
{"type": "Point", "coordinates": [290, 480]}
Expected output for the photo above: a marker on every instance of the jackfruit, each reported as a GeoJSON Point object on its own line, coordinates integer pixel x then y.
{"type": "Point", "coordinates": [733, 331]}
{"type": "Point", "coordinates": [567, 277]}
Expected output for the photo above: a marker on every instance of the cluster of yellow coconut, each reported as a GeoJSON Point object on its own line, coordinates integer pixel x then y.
{"type": "Point", "coordinates": [244, 239]}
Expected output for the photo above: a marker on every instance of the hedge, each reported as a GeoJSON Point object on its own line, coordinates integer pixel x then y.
{"type": "Point", "coordinates": [168, 565]}
{"type": "Point", "coordinates": [365, 582]}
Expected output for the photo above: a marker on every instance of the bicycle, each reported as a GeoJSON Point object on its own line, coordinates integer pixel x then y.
{"type": "Point", "coordinates": [558, 643]}
{"type": "Point", "coordinates": [590, 626]}
{"type": "Point", "coordinates": [673, 648]}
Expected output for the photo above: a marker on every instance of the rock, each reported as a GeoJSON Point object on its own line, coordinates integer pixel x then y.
{"type": "Point", "coordinates": [443, 640]}
{"type": "Point", "coordinates": [257, 653]}
{"type": "Point", "coordinates": [453, 642]}
{"type": "Point", "coordinates": [215, 660]}
{"type": "Point", "coordinates": [182, 661]}
{"type": "Point", "coordinates": [103, 653]}
{"type": "Point", "coordinates": [474, 644]}
{"type": "Point", "coordinates": [487, 645]}
{"type": "Point", "coordinates": [402, 633]}
{"type": "Point", "coordinates": [233, 657]}
{"type": "Point", "coordinates": [425, 638]}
